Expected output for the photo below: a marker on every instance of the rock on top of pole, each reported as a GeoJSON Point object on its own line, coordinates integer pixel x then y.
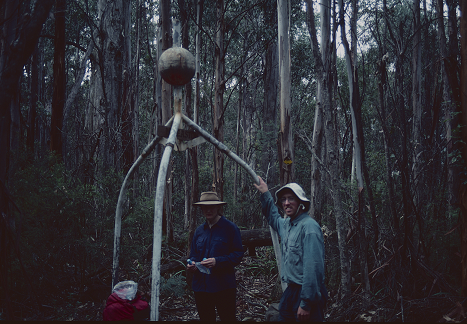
{"type": "Point", "coordinates": [177, 66]}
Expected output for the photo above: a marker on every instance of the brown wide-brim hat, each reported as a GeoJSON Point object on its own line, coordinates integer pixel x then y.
{"type": "Point", "coordinates": [209, 198]}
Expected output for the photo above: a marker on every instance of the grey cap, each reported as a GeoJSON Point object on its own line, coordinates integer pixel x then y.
{"type": "Point", "coordinates": [298, 191]}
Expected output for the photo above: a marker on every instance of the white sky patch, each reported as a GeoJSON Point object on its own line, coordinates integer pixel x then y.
{"type": "Point", "coordinates": [87, 73]}
{"type": "Point", "coordinates": [232, 83]}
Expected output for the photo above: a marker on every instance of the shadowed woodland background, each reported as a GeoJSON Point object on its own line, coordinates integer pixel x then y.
{"type": "Point", "coordinates": [363, 103]}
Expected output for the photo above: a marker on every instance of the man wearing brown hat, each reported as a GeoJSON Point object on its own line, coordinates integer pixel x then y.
{"type": "Point", "coordinates": [216, 249]}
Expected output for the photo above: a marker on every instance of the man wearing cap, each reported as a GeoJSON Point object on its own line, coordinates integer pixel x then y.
{"type": "Point", "coordinates": [216, 249]}
{"type": "Point", "coordinates": [302, 265]}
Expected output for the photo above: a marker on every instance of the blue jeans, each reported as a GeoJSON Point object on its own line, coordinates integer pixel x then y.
{"type": "Point", "coordinates": [290, 301]}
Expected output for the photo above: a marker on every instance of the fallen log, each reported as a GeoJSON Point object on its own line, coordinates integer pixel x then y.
{"type": "Point", "coordinates": [254, 238]}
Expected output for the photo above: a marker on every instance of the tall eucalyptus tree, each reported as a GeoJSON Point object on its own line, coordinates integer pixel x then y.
{"type": "Point", "coordinates": [129, 87]}
{"type": "Point", "coordinates": [240, 113]}
{"type": "Point", "coordinates": [325, 81]}
{"type": "Point", "coordinates": [463, 190]}
{"type": "Point", "coordinates": [286, 154]}
{"type": "Point", "coordinates": [108, 97]}
{"type": "Point", "coordinates": [317, 145]}
{"type": "Point", "coordinates": [166, 109]}
{"type": "Point", "coordinates": [400, 45]}
{"type": "Point", "coordinates": [218, 109]}
{"type": "Point", "coordinates": [194, 194]}
{"type": "Point", "coordinates": [58, 99]}
{"type": "Point", "coordinates": [135, 93]}
{"type": "Point", "coordinates": [270, 79]}
{"type": "Point", "coordinates": [417, 175]}
{"type": "Point", "coordinates": [358, 139]}
{"type": "Point", "coordinates": [448, 52]}
{"type": "Point", "coordinates": [184, 10]}
{"type": "Point", "coordinates": [18, 41]}
{"type": "Point", "coordinates": [456, 111]}
{"type": "Point", "coordinates": [382, 112]}
{"type": "Point", "coordinates": [34, 98]}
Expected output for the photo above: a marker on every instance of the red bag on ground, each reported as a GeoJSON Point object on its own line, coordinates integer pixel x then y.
{"type": "Point", "coordinates": [118, 309]}
{"type": "Point", "coordinates": [124, 304]}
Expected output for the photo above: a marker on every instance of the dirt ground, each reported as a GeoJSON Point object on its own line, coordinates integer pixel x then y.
{"type": "Point", "coordinates": [256, 281]}
{"type": "Point", "coordinates": [257, 289]}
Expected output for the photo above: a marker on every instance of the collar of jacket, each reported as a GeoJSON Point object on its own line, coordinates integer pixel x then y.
{"type": "Point", "coordinates": [298, 218]}
{"type": "Point", "coordinates": [206, 225]}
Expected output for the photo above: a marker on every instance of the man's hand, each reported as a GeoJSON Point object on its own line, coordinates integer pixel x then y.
{"type": "Point", "coordinates": [302, 315]}
{"type": "Point", "coordinates": [191, 267]}
{"type": "Point", "coordinates": [262, 187]}
{"type": "Point", "coordinates": [209, 263]}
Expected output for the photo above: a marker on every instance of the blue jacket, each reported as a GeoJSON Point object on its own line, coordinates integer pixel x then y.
{"type": "Point", "coordinates": [222, 242]}
{"type": "Point", "coordinates": [302, 248]}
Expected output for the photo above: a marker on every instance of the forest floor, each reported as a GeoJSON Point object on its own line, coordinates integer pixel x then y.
{"type": "Point", "coordinates": [256, 282]}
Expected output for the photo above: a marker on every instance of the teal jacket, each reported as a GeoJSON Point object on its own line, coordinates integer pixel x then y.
{"type": "Point", "coordinates": [302, 248]}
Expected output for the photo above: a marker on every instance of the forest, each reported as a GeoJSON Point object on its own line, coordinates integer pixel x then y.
{"type": "Point", "coordinates": [363, 103]}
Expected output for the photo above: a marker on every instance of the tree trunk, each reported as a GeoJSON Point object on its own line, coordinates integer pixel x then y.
{"type": "Point", "coordinates": [187, 110]}
{"type": "Point", "coordinates": [237, 144]}
{"type": "Point", "coordinates": [323, 72]}
{"type": "Point", "coordinates": [128, 93]}
{"type": "Point", "coordinates": [71, 98]}
{"type": "Point", "coordinates": [136, 97]}
{"type": "Point", "coordinates": [243, 154]}
{"type": "Point", "coordinates": [451, 118]}
{"type": "Point", "coordinates": [111, 63]}
{"type": "Point", "coordinates": [218, 122]}
{"type": "Point", "coordinates": [34, 97]}
{"type": "Point", "coordinates": [14, 53]}
{"type": "Point", "coordinates": [6, 40]}
{"type": "Point", "coordinates": [270, 79]}
{"type": "Point", "coordinates": [382, 86]}
{"type": "Point", "coordinates": [58, 99]}
{"type": "Point", "coordinates": [184, 21]}
{"type": "Point", "coordinates": [157, 109]}
{"type": "Point", "coordinates": [317, 193]}
{"type": "Point", "coordinates": [194, 151]}
{"type": "Point", "coordinates": [167, 42]}
{"type": "Point", "coordinates": [358, 140]}
{"type": "Point", "coordinates": [382, 89]}
{"type": "Point", "coordinates": [286, 155]}
{"type": "Point", "coordinates": [463, 213]}
{"type": "Point", "coordinates": [417, 176]}
{"type": "Point", "coordinates": [404, 160]}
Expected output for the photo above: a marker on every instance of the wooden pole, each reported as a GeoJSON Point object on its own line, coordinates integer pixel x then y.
{"type": "Point", "coordinates": [220, 146]}
{"type": "Point", "coordinates": [158, 203]}
{"type": "Point", "coordinates": [121, 197]}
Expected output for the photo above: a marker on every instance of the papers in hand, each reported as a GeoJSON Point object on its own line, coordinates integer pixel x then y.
{"type": "Point", "coordinates": [202, 268]}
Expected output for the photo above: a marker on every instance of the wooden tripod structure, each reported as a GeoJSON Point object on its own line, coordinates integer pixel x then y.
{"type": "Point", "coordinates": [176, 70]}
